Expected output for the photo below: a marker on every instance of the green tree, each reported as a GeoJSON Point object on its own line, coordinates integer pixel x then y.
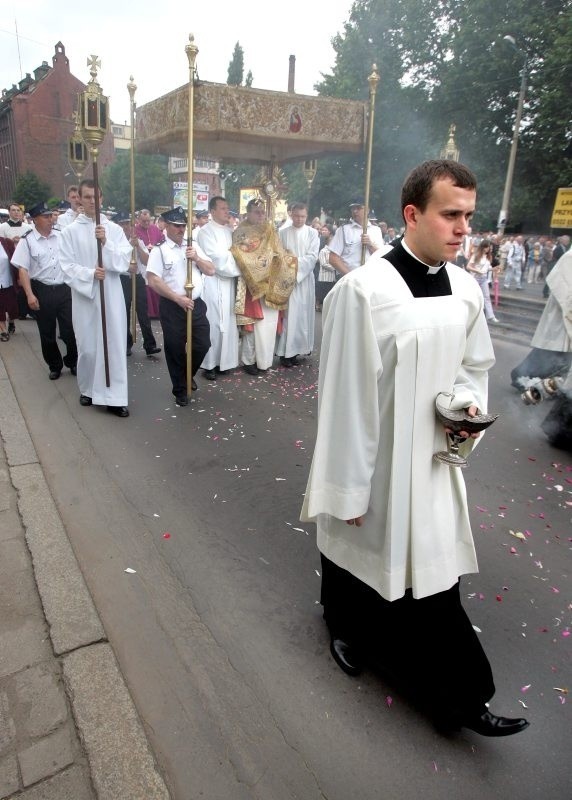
{"type": "Point", "coordinates": [29, 190]}
{"type": "Point", "coordinates": [236, 66]}
{"type": "Point", "coordinates": [152, 185]}
{"type": "Point", "coordinates": [249, 78]}
{"type": "Point", "coordinates": [447, 61]}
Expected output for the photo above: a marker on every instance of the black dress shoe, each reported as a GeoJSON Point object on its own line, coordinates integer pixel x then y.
{"type": "Point", "coordinates": [152, 351]}
{"type": "Point", "coordinates": [250, 369]}
{"type": "Point", "coordinates": [488, 724]}
{"type": "Point", "coordinates": [182, 400]}
{"type": "Point", "coordinates": [194, 386]}
{"type": "Point", "coordinates": [345, 657]}
{"type": "Point", "coordinates": [286, 362]}
{"type": "Point", "coordinates": [84, 400]}
{"type": "Point", "coordinates": [119, 411]}
{"type": "Point", "coordinates": [12, 327]}
{"type": "Point", "coordinates": [210, 374]}
{"type": "Point", "coordinates": [73, 370]}
{"type": "Point", "coordinates": [55, 374]}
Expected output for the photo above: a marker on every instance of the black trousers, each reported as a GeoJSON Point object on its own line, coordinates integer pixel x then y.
{"type": "Point", "coordinates": [174, 323]}
{"type": "Point", "coordinates": [55, 307]}
{"type": "Point", "coordinates": [140, 309]}
{"type": "Point", "coordinates": [427, 647]}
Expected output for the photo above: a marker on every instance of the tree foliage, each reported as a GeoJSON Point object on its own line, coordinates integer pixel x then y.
{"type": "Point", "coordinates": [152, 185]}
{"type": "Point", "coordinates": [236, 66]}
{"type": "Point", "coordinates": [29, 190]}
{"type": "Point", "coordinates": [446, 61]}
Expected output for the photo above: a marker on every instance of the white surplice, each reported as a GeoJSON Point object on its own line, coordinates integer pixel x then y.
{"type": "Point", "coordinates": [78, 259]}
{"type": "Point", "coordinates": [219, 295]}
{"type": "Point", "coordinates": [385, 357]}
{"type": "Point", "coordinates": [297, 337]}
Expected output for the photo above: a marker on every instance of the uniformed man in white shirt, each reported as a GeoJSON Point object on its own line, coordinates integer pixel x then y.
{"type": "Point", "coordinates": [167, 275]}
{"type": "Point", "coordinates": [47, 294]}
{"type": "Point", "coordinates": [346, 246]}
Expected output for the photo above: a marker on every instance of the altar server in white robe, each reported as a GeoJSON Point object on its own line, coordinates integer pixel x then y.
{"type": "Point", "coordinates": [297, 337]}
{"type": "Point", "coordinates": [393, 523]}
{"type": "Point", "coordinates": [219, 293]}
{"type": "Point", "coordinates": [79, 262]}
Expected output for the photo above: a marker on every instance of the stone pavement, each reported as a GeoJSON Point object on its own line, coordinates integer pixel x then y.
{"type": "Point", "coordinates": [68, 727]}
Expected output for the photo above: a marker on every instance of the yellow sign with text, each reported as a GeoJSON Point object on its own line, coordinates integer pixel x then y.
{"type": "Point", "coordinates": [562, 212]}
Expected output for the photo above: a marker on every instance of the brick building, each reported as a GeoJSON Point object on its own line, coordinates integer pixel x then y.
{"type": "Point", "coordinates": [36, 124]}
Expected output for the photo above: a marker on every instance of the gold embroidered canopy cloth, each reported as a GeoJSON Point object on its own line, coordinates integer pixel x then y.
{"type": "Point", "coordinates": [240, 124]}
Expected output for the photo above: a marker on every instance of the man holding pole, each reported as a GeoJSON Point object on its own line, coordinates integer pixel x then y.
{"type": "Point", "coordinates": [79, 259]}
{"type": "Point", "coordinates": [346, 246]}
{"type": "Point", "coordinates": [167, 275]}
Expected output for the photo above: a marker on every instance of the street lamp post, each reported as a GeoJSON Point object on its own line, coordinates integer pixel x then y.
{"type": "Point", "coordinates": [503, 215]}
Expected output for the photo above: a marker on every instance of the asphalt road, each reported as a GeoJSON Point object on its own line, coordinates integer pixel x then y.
{"type": "Point", "coordinates": [219, 631]}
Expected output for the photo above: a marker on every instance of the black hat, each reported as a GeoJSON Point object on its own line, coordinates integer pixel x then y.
{"type": "Point", "coordinates": [176, 216]}
{"type": "Point", "coordinates": [122, 216]}
{"type": "Point", "coordinates": [357, 203]}
{"type": "Point", "coordinates": [63, 205]}
{"type": "Point", "coordinates": [39, 210]}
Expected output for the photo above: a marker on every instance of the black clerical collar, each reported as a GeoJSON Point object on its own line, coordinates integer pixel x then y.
{"type": "Point", "coordinates": [430, 270]}
{"type": "Point", "coordinates": [13, 224]}
{"type": "Point", "coordinates": [422, 280]}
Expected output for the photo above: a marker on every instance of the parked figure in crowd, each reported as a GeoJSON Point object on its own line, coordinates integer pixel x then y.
{"type": "Point", "coordinates": [326, 273]}
{"type": "Point", "coordinates": [480, 266]}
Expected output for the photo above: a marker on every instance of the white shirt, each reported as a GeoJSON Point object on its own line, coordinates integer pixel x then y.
{"type": "Point", "coordinates": [39, 256]}
{"type": "Point", "coordinates": [169, 262]}
{"type": "Point", "coordinates": [347, 242]}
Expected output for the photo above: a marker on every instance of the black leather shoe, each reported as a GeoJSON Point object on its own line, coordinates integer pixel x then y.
{"type": "Point", "coordinates": [490, 725]}
{"type": "Point", "coordinates": [55, 374]}
{"type": "Point", "coordinates": [84, 400]}
{"type": "Point", "coordinates": [286, 362]}
{"type": "Point", "coordinates": [73, 370]}
{"type": "Point", "coordinates": [250, 369]}
{"type": "Point", "coordinates": [194, 386]}
{"type": "Point", "coordinates": [119, 411]}
{"type": "Point", "coordinates": [345, 657]}
{"type": "Point", "coordinates": [210, 374]}
{"type": "Point", "coordinates": [152, 351]}
{"type": "Point", "coordinates": [182, 400]}
{"type": "Point", "coordinates": [128, 351]}
{"type": "Point", "coordinates": [12, 327]}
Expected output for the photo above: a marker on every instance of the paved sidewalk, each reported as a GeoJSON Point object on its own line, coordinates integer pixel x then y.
{"type": "Point", "coordinates": [68, 727]}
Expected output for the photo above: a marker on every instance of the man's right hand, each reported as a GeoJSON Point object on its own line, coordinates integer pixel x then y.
{"type": "Point", "coordinates": [99, 274]}
{"type": "Point", "coordinates": [186, 302]}
{"type": "Point", "coordinates": [33, 302]}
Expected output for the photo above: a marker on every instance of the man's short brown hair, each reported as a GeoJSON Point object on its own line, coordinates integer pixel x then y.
{"type": "Point", "coordinates": [418, 184]}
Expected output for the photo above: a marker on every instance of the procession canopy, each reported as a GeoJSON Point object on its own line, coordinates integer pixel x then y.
{"type": "Point", "coordinates": [241, 124]}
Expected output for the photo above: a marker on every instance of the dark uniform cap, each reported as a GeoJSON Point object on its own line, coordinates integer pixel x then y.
{"type": "Point", "coordinates": [63, 205]}
{"type": "Point", "coordinates": [357, 203]}
{"type": "Point", "coordinates": [176, 216]}
{"type": "Point", "coordinates": [39, 210]}
{"type": "Point", "coordinates": [122, 216]}
{"type": "Point", "coordinates": [202, 214]}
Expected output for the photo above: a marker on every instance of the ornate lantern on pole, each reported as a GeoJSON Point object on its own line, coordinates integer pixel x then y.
{"type": "Point", "coordinates": [451, 151]}
{"type": "Point", "coordinates": [131, 87]}
{"type": "Point", "coordinates": [309, 169]}
{"type": "Point", "coordinates": [373, 80]}
{"type": "Point", "coordinates": [78, 157]}
{"type": "Point", "coordinates": [93, 125]}
{"type": "Point", "coordinates": [192, 52]}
